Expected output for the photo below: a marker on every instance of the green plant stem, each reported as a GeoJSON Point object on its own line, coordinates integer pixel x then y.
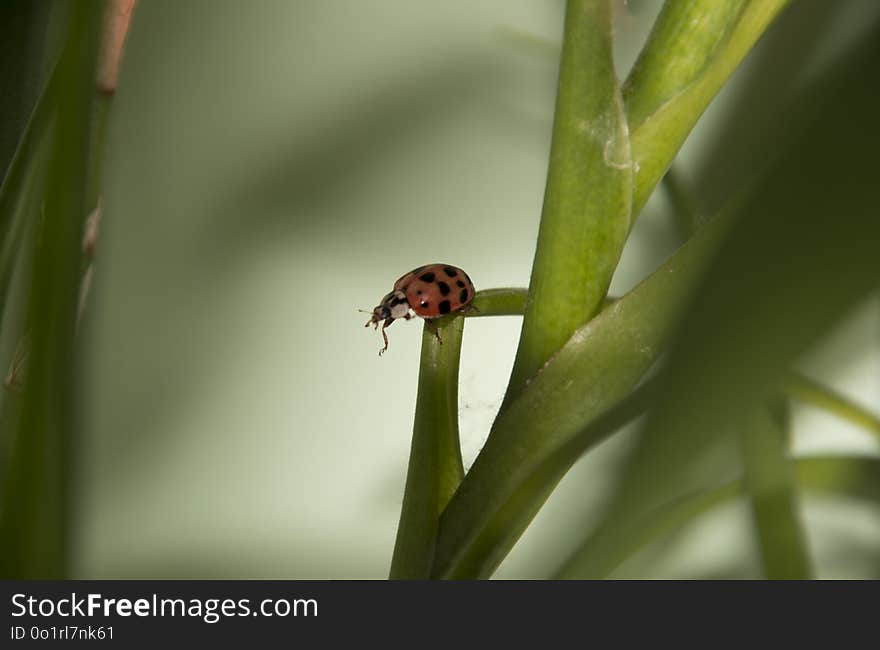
{"type": "Point", "coordinates": [510, 302]}
{"type": "Point", "coordinates": [593, 372]}
{"type": "Point", "coordinates": [811, 392]}
{"type": "Point", "coordinates": [586, 213]}
{"type": "Point", "coordinates": [34, 528]}
{"type": "Point", "coordinates": [769, 480]}
{"type": "Point", "coordinates": [435, 465]}
{"type": "Point", "coordinates": [499, 302]}
{"type": "Point", "coordinates": [693, 49]}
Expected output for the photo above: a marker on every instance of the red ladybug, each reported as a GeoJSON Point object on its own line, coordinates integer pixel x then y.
{"type": "Point", "coordinates": [430, 291]}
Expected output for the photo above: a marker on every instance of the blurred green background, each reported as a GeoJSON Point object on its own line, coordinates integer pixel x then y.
{"type": "Point", "coordinates": [272, 168]}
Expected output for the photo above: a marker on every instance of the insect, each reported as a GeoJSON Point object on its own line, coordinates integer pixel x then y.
{"type": "Point", "coordinates": [430, 291]}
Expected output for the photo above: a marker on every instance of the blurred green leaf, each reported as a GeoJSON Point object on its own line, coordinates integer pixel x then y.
{"type": "Point", "coordinates": [769, 479]}
{"type": "Point", "coordinates": [586, 214]}
{"type": "Point", "coordinates": [34, 528]}
{"type": "Point", "coordinates": [606, 548]}
{"type": "Point", "coordinates": [764, 112]}
{"type": "Point", "coordinates": [22, 165]}
{"type": "Point", "coordinates": [858, 478]}
{"type": "Point", "coordinates": [693, 49]}
{"type": "Point", "coordinates": [800, 257]}
{"type": "Point", "coordinates": [22, 32]}
{"type": "Point", "coordinates": [21, 191]}
{"type": "Point", "coordinates": [812, 392]}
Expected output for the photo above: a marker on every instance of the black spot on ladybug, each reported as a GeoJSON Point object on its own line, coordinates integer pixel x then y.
{"type": "Point", "coordinates": [418, 292]}
{"type": "Point", "coordinates": [444, 307]}
{"type": "Point", "coordinates": [424, 304]}
{"type": "Point", "coordinates": [444, 288]}
{"type": "Point", "coordinates": [451, 272]}
{"type": "Point", "coordinates": [463, 296]}
{"type": "Point", "coordinates": [460, 284]}
{"type": "Point", "coordinates": [427, 277]}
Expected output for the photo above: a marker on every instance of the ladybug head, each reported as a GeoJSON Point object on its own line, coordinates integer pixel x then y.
{"type": "Point", "coordinates": [379, 313]}
{"type": "Point", "coordinates": [393, 305]}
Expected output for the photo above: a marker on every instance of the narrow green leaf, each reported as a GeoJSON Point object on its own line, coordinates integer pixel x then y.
{"type": "Point", "coordinates": [22, 32]}
{"type": "Point", "coordinates": [586, 212]}
{"type": "Point", "coordinates": [605, 549]}
{"type": "Point", "coordinates": [435, 465]}
{"type": "Point", "coordinates": [812, 392]}
{"type": "Point", "coordinates": [24, 159]}
{"type": "Point", "coordinates": [608, 547]}
{"type": "Point", "coordinates": [25, 214]}
{"type": "Point", "coordinates": [856, 477]}
{"type": "Point", "coordinates": [769, 480]}
{"type": "Point", "coordinates": [34, 528]}
{"type": "Point", "coordinates": [693, 48]}
{"type": "Point", "coordinates": [549, 425]}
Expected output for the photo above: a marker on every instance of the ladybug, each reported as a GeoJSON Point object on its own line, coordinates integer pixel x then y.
{"type": "Point", "coordinates": [430, 291]}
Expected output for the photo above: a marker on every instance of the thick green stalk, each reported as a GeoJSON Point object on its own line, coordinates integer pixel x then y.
{"type": "Point", "coordinates": [586, 214]}
{"type": "Point", "coordinates": [694, 47]}
{"type": "Point", "coordinates": [34, 525]}
{"type": "Point", "coordinates": [769, 480]}
{"type": "Point", "coordinates": [435, 465]}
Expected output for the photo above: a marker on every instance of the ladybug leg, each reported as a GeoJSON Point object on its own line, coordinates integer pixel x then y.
{"type": "Point", "coordinates": [387, 323]}
{"type": "Point", "coordinates": [431, 326]}
{"type": "Point", "coordinates": [468, 308]}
